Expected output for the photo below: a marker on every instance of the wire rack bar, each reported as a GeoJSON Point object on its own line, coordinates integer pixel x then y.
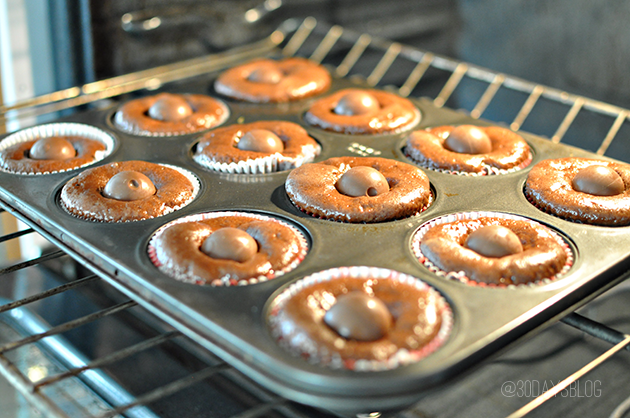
{"type": "Point", "coordinates": [15, 235]}
{"type": "Point", "coordinates": [48, 293]}
{"type": "Point", "coordinates": [168, 389]}
{"type": "Point", "coordinates": [67, 326]}
{"type": "Point", "coordinates": [566, 382]}
{"type": "Point", "coordinates": [33, 262]}
{"type": "Point", "coordinates": [109, 359]}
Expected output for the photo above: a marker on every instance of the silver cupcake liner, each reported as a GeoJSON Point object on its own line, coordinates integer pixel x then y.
{"type": "Point", "coordinates": [262, 165]}
{"type": "Point", "coordinates": [486, 169]}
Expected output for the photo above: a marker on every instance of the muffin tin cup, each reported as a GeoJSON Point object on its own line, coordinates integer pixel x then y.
{"type": "Point", "coordinates": [97, 217]}
{"type": "Point", "coordinates": [60, 129]}
{"type": "Point", "coordinates": [460, 276]}
{"type": "Point", "coordinates": [177, 275]}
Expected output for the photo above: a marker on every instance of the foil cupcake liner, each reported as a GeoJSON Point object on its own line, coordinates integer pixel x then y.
{"type": "Point", "coordinates": [226, 281]}
{"type": "Point", "coordinates": [314, 215]}
{"type": "Point", "coordinates": [486, 169]}
{"type": "Point", "coordinates": [292, 340]}
{"type": "Point", "coordinates": [263, 165]}
{"type": "Point", "coordinates": [60, 129]}
{"type": "Point", "coordinates": [98, 217]}
{"type": "Point", "coordinates": [460, 275]}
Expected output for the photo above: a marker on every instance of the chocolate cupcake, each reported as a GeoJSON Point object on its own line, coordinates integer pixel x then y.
{"type": "Point", "coordinates": [468, 150]}
{"type": "Point", "coordinates": [54, 148]}
{"type": "Point", "coordinates": [128, 191]}
{"type": "Point", "coordinates": [359, 189]}
{"type": "Point", "coordinates": [168, 114]}
{"type": "Point", "coordinates": [492, 249]}
{"type": "Point", "coordinates": [363, 112]}
{"type": "Point", "coordinates": [360, 318]}
{"type": "Point", "coordinates": [227, 248]}
{"type": "Point", "coordinates": [271, 81]}
{"type": "Point", "coordinates": [582, 190]}
{"type": "Point", "coordinates": [255, 148]}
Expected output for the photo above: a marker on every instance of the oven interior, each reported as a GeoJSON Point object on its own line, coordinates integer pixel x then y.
{"type": "Point", "coordinates": [73, 344]}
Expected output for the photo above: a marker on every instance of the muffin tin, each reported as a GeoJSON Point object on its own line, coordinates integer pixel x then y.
{"type": "Point", "coordinates": [232, 321]}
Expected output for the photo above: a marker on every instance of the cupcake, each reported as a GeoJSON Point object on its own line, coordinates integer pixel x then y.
{"type": "Point", "coordinates": [363, 112]}
{"type": "Point", "coordinates": [168, 114]}
{"type": "Point", "coordinates": [227, 248]}
{"type": "Point", "coordinates": [582, 190]}
{"type": "Point", "coordinates": [359, 189]}
{"type": "Point", "coordinates": [273, 81]}
{"type": "Point", "coordinates": [128, 191]}
{"type": "Point", "coordinates": [468, 150]}
{"type": "Point", "coordinates": [494, 249]}
{"type": "Point", "coordinates": [54, 148]}
{"type": "Point", "coordinates": [360, 318]}
{"type": "Point", "coordinates": [254, 148]}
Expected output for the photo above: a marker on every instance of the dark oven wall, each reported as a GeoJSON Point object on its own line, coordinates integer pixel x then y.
{"type": "Point", "coordinates": [138, 34]}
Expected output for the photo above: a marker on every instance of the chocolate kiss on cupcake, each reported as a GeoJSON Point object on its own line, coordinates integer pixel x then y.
{"type": "Point", "coordinates": [128, 186]}
{"type": "Point", "coordinates": [598, 180]}
{"type": "Point", "coordinates": [356, 102]}
{"type": "Point", "coordinates": [260, 140]}
{"type": "Point", "coordinates": [359, 316]}
{"type": "Point", "coordinates": [170, 108]}
{"type": "Point", "coordinates": [494, 241]}
{"type": "Point", "coordinates": [230, 244]}
{"type": "Point", "coordinates": [362, 181]}
{"type": "Point", "coordinates": [52, 148]}
{"type": "Point", "coordinates": [468, 139]}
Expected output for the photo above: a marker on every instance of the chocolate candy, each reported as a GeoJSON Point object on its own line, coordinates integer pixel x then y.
{"type": "Point", "coordinates": [359, 316]}
{"type": "Point", "coordinates": [170, 108]}
{"type": "Point", "coordinates": [468, 139]}
{"type": "Point", "coordinates": [355, 103]}
{"type": "Point", "coordinates": [362, 181]}
{"type": "Point", "coordinates": [598, 180]}
{"type": "Point", "coordinates": [129, 185]}
{"type": "Point", "coordinates": [52, 148]}
{"type": "Point", "coordinates": [494, 241]}
{"type": "Point", "coordinates": [266, 75]}
{"type": "Point", "coordinates": [230, 244]}
{"type": "Point", "coordinates": [260, 140]}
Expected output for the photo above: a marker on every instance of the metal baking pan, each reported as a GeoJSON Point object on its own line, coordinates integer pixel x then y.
{"type": "Point", "coordinates": [231, 321]}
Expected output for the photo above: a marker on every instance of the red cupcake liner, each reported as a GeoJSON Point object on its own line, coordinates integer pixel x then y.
{"type": "Point", "coordinates": [226, 281]}
{"type": "Point", "coordinates": [290, 338]}
{"type": "Point", "coordinates": [460, 275]}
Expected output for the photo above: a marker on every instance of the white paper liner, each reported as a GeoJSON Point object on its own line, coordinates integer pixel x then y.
{"type": "Point", "coordinates": [262, 165]}
{"type": "Point", "coordinates": [99, 217]}
{"type": "Point", "coordinates": [460, 275]}
{"type": "Point", "coordinates": [303, 347]}
{"type": "Point", "coordinates": [60, 129]}
{"type": "Point", "coordinates": [226, 281]}
{"type": "Point", "coordinates": [142, 132]}
{"type": "Point", "coordinates": [487, 170]}
{"type": "Point", "coordinates": [350, 130]}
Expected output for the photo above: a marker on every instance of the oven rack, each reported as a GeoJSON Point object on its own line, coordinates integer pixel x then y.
{"type": "Point", "coordinates": [342, 50]}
